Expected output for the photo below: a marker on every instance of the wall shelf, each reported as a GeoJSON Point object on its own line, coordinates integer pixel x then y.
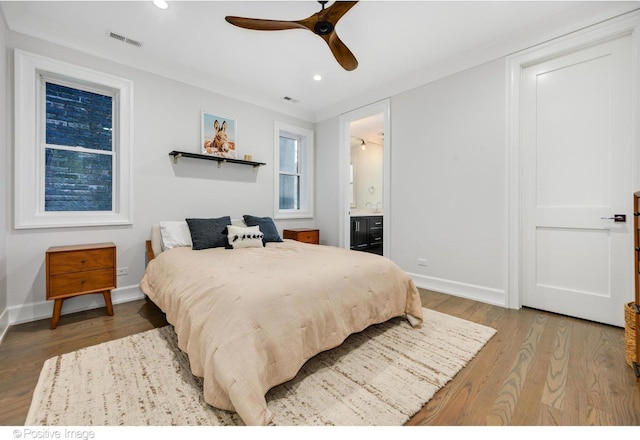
{"type": "Point", "coordinates": [178, 154]}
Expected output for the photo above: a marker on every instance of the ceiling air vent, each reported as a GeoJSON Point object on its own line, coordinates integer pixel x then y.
{"type": "Point", "coordinates": [290, 99]}
{"type": "Point", "coordinates": [124, 39]}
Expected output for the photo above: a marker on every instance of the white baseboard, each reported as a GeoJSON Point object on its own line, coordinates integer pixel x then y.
{"type": "Point", "coordinates": [44, 309]}
{"type": "Point", "coordinates": [4, 323]}
{"type": "Point", "coordinates": [478, 293]}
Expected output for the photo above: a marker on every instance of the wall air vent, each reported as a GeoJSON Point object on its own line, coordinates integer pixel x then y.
{"type": "Point", "coordinates": [124, 39]}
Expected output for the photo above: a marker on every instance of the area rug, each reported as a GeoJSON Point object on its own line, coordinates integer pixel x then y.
{"type": "Point", "coordinates": [379, 377]}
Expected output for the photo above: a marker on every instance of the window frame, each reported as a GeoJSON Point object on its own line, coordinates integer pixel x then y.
{"type": "Point", "coordinates": [31, 72]}
{"type": "Point", "coordinates": [305, 171]}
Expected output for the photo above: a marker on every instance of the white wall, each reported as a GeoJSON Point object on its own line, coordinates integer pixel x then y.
{"type": "Point", "coordinates": [327, 176]}
{"type": "Point", "coordinates": [166, 117]}
{"type": "Point", "coordinates": [448, 186]}
{"type": "Point", "coordinates": [4, 178]}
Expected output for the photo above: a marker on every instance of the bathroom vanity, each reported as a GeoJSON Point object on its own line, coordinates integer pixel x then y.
{"type": "Point", "coordinates": [366, 233]}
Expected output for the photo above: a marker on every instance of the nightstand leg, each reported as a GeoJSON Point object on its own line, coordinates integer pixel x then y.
{"type": "Point", "coordinates": [107, 302]}
{"type": "Point", "coordinates": [57, 307]}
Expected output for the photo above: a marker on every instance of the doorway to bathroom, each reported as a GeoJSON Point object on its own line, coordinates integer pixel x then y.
{"type": "Point", "coordinates": [366, 151]}
{"type": "Point", "coordinates": [366, 184]}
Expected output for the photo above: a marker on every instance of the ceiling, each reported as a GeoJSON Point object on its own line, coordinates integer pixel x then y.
{"type": "Point", "coordinates": [399, 44]}
{"type": "Point", "coordinates": [369, 129]}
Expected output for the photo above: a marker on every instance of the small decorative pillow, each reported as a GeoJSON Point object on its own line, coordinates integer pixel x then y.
{"type": "Point", "coordinates": [175, 234]}
{"type": "Point", "coordinates": [240, 237]}
{"type": "Point", "coordinates": [267, 226]}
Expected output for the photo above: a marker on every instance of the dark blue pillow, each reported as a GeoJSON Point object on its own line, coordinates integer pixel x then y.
{"type": "Point", "coordinates": [267, 227]}
{"type": "Point", "coordinates": [207, 233]}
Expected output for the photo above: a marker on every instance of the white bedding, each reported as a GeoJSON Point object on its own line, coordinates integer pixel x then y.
{"type": "Point", "coordinates": [250, 318]}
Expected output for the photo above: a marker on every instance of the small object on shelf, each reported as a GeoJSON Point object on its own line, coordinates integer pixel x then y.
{"type": "Point", "coordinates": [80, 270]}
{"type": "Point", "coordinates": [178, 154]}
{"type": "Point", "coordinates": [304, 235]}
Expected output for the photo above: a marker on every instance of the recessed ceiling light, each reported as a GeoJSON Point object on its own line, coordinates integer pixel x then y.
{"type": "Point", "coordinates": [162, 4]}
{"type": "Point", "coordinates": [317, 77]}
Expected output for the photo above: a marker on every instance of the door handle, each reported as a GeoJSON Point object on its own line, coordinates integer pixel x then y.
{"type": "Point", "coordinates": [618, 218]}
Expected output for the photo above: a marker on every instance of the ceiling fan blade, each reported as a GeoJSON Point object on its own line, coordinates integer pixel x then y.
{"type": "Point", "coordinates": [341, 52]}
{"type": "Point", "coordinates": [259, 24]}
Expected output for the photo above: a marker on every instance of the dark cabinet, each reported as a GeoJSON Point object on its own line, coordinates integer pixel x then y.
{"type": "Point", "coordinates": [366, 234]}
{"type": "Point", "coordinates": [359, 233]}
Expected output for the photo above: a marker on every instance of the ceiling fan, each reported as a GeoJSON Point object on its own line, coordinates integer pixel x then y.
{"type": "Point", "coordinates": [321, 23]}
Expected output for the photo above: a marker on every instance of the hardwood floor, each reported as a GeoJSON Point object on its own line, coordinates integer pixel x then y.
{"type": "Point", "coordinates": [539, 369]}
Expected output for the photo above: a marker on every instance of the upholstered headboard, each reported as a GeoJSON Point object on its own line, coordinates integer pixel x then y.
{"type": "Point", "coordinates": [155, 247]}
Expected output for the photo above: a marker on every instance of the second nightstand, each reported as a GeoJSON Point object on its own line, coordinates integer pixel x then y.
{"type": "Point", "coordinates": [304, 235]}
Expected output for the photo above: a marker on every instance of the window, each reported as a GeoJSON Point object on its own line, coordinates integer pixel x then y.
{"type": "Point", "coordinates": [78, 148]}
{"type": "Point", "coordinates": [294, 179]}
{"type": "Point", "coordinates": [72, 145]}
{"type": "Point", "coordinates": [289, 172]}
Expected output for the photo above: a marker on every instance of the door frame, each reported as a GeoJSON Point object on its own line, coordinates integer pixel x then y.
{"type": "Point", "coordinates": [344, 230]}
{"type": "Point", "coordinates": [628, 24]}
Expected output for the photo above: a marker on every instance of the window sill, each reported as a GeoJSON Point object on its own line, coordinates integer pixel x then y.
{"type": "Point", "coordinates": [64, 220]}
{"type": "Point", "coordinates": [293, 215]}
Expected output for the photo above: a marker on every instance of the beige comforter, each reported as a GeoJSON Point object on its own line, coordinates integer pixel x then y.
{"type": "Point", "coordinates": [250, 318]}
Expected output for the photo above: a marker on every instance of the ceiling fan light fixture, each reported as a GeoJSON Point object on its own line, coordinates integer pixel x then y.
{"type": "Point", "coordinates": [323, 28]}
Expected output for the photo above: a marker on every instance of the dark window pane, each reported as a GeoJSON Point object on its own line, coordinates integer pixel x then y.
{"type": "Point", "coordinates": [288, 155]}
{"type": "Point", "coordinates": [77, 118]}
{"type": "Point", "coordinates": [77, 181]}
{"type": "Point", "coordinates": [289, 192]}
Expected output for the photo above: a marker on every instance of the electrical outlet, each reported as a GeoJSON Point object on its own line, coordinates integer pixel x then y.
{"type": "Point", "coordinates": [122, 271]}
{"type": "Point", "coordinates": [422, 262]}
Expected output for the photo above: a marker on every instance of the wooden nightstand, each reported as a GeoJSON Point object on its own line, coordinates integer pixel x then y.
{"type": "Point", "coordinates": [80, 270]}
{"type": "Point", "coordinates": [303, 234]}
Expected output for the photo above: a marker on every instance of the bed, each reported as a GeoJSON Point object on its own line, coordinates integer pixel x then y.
{"type": "Point", "coordinates": [250, 316]}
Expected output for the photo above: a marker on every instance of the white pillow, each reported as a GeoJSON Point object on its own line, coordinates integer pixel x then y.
{"type": "Point", "coordinates": [240, 237]}
{"type": "Point", "coordinates": [175, 234]}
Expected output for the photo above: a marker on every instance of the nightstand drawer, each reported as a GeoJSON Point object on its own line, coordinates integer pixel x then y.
{"type": "Point", "coordinates": [65, 262]}
{"type": "Point", "coordinates": [81, 282]}
{"type": "Point", "coordinates": [311, 236]}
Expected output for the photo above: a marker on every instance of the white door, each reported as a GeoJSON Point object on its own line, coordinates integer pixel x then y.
{"type": "Point", "coordinates": [576, 154]}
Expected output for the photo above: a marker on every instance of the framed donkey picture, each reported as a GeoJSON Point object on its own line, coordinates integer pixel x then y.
{"type": "Point", "coordinates": [218, 136]}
